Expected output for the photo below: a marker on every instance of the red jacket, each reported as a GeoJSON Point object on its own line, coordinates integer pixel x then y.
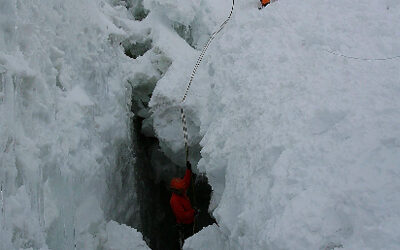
{"type": "Point", "coordinates": [180, 204]}
{"type": "Point", "coordinates": [265, 2]}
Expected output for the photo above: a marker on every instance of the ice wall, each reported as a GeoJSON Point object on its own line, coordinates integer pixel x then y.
{"type": "Point", "coordinates": [300, 145]}
{"type": "Point", "coordinates": [64, 97]}
{"type": "Point", "coordinates": [72, 76]}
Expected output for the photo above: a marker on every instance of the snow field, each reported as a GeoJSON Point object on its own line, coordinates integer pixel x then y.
{"type": "Point", "coordinates": [299, 145]}
{"type": "Point", "coordinates": [65, 94]}
{"type": "Point", "coordinates": [64, 116]}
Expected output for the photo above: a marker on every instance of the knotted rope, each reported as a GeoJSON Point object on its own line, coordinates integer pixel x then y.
{"type": "Point", "coordinates": [196, 66]}
{"type": "Point", "coordinates": [183, 117]}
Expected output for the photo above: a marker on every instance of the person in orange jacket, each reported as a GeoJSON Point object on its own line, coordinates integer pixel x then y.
{"type": "Point", "coordinates": [181, 205]}
{"type": "Point", "coordinates": [264, 3]}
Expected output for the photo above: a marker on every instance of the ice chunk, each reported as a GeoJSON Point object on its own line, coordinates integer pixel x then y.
{"type": "Point", "coordinates": [122, 237]}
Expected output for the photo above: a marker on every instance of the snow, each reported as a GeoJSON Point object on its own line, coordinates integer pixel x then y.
{"type": "Point", "coordinates": [294, 139]}
{"type": "Point", "coordinates": [60, 76]}
{"type": "Point", "coordinates": [299, 142]}
{"type": "Point", "coordinates": [121, 237]}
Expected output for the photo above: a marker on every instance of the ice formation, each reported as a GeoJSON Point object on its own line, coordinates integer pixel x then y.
{"type": "Point", "coordinates": [301, 146]}
{"type": "Point", "coordinates": [64, 123]}
{"type": "Point", "coordinates": [299, 139]}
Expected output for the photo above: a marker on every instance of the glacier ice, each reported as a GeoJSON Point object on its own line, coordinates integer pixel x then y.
{"type": "Point", "coordinates": [300, 146]}
{"type": "Point", "coordinates": [64, 116]}
{"type": "Point", "coordinates": [292, 136]}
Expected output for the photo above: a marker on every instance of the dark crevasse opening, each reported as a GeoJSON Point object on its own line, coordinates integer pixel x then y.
{"type": "Point", "coordinates": [152, 174]}
{"type": "Point", "coordinates": [135, 7]}
{"type": "Point", "coordinates": [139, 186]}
{"type": "Point", "coordinates": [153, 197]}
{"type": "Point", "coordinates": [138, 11]}
{"type": "Point", "coordinates": [136, 49]}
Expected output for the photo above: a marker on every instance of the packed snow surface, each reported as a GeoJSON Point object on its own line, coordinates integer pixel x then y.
{"type": "Point", "coordinates": [296, 115]}
{"type": "Point", "coordinates": [63, 109]}
{"type": "Point", "coordinates": [301, 146]}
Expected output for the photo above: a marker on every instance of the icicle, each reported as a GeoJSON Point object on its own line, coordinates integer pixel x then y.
{"type": "Point", "coordinates": [2, 204]}
{"type": "Point", "coordinates": [2, 94]}
{"type": "Point", "coordinates": [74, 237]}
{"type": "Point", "coordinates": [41, 198]}
{"type": "Point", "coordinates": [65, 234]}
{"type": "Point", "coordinates": [74, 233]}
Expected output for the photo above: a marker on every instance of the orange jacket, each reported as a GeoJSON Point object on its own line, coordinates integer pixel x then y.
{"type": "Point", "coordinates": [180, 204]}
{"type": "Point", "coordinates": [265, 2]}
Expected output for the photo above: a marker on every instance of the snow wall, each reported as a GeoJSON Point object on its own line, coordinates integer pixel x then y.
{"type": "Point", "coordinates": [301, 145]}
{"type": "Point", "coordinates": [64, 102]}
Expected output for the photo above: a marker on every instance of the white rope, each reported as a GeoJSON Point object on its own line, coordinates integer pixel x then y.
{"type": "Point", "coordinates": [183, 117]}
{"type": "Point", "coordinates": [360, 58]}
{"type": "Point", "coordinates": [337, 53]}
{"type": "Point", "coordinates": [3, 215]}
{"type": "Point", "coordinates": [204, 51]}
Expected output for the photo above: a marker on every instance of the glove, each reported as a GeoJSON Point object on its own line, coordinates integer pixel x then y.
{"type": "Point", "coordinates": [188, 165]}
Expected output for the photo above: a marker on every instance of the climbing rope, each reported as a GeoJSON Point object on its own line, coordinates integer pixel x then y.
{"type": "Point", "coordinates": [361, 58]}
{"type": "Point", "coordinates": [204, 51]}
{"type": "Point", "coordinates": [183, 117]}
{"type": "Point", "coordinates": [196, 66]}
{"type": "Point", "coordinates": [185, 134]}
{"type": "Point", "coordinates": [337, 53]}
{"type": "Point", "coordinates": [199, 59]}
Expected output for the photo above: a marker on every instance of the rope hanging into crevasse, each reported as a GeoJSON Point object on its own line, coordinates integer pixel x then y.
{"type": "Point", "coordinates": [196, 66]}
{"type": "Point", "coordinates": [183, 117]}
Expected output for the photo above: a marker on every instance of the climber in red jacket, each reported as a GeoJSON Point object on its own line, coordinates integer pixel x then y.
{"type": "Point", "coordinates": [264, 3]}
{"type": "Point", "coordinates": [180, 203]}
